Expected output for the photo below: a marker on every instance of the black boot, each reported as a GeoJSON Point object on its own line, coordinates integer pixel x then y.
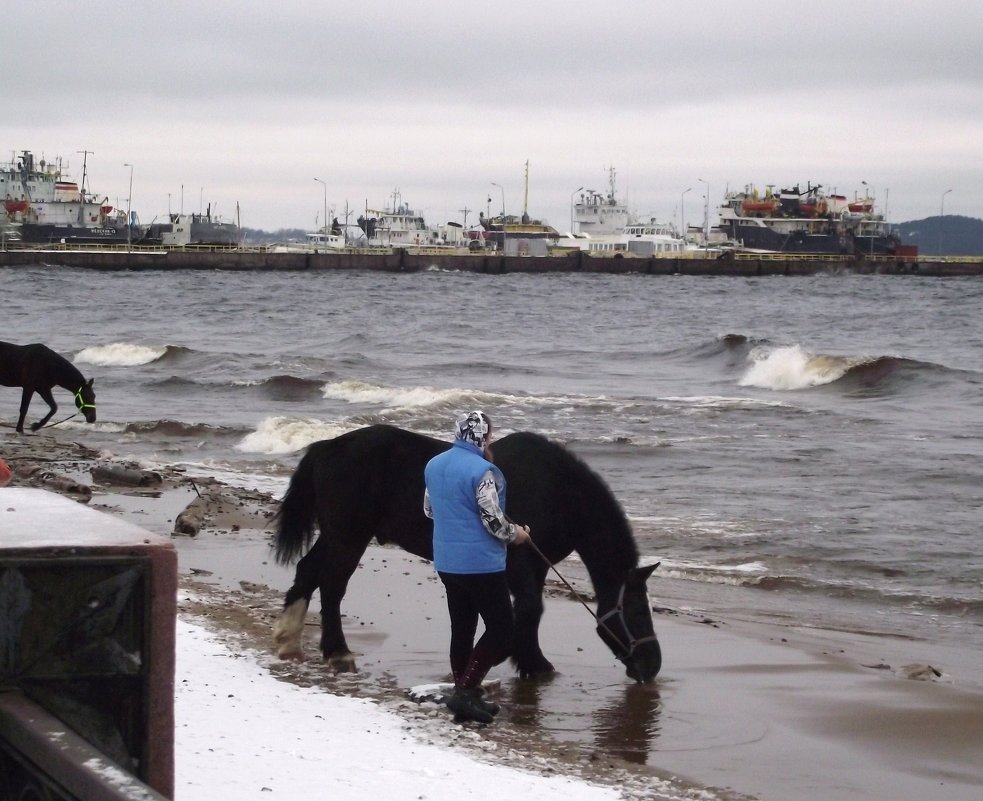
{"type": "Point", "coordinates": [467, 705]}
{"type": "Point", "coordinates": [492, 707]}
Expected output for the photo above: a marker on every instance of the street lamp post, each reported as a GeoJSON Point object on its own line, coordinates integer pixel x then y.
{"type": "Point", "coordinates": [706, 212]}
{"type": "Point", "coordinates": [504, 234]}
{"type": "Point", "coordinates": [942, 218]}
{"type": "Point", "coordinates": [129, 199]}
{"type": "Point", "coordinates": [572, 194]}
{"type": "Point", "coordinates": [325, 219]}
{"type": "Point", "coordinates": [682, 211]}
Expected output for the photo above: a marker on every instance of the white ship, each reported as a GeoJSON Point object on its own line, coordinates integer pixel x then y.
{"type": "Point", "coordinates": [398, 227]}
{"type": "Point", "coordinates": [603, 226]}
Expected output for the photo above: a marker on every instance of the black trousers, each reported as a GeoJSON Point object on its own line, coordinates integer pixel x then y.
{"type": "Point", "coordinates": [470, 596]}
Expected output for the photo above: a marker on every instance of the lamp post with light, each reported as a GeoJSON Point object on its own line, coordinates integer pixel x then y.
{"type": "Point", "coordinates": [129, 199]}
{"type": "Point", "coordinates": [942, 218]}
{"type": "Point", "coordinates": [504, 235]}
{"type": "Point", "coordinates": [706, 212]}
{"type": "Point", "coordinates": [325, 219]}
{"type": "Point", "coordinates": [572, 194]}
{"type": "Point", "coordinates": [682, 211]}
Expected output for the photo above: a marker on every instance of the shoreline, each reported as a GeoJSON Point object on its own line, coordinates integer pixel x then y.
{"type": "Point", "coordinates": [770, 711]}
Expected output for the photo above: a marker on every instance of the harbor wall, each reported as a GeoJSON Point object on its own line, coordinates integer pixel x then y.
{"type": "Point", "coordinates": [406, 261]}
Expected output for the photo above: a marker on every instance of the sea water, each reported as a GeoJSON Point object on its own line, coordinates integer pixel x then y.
{"type": "Point", "coordinates": [801, 449]}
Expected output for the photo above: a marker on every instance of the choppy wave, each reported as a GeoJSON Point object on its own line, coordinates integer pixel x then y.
{"type": "Point", "coordinates": [408, 397]}
{"type": "Point", "coordinates": [125, 354]}
{"type": "Point", "coordinates": [178, 428]}
{"type": "Point", "coordinates": [285, 387]}
{"type": "Point", "coordinates": [282, 435]}
{"type": "Point", "coordinates": [793, 367]}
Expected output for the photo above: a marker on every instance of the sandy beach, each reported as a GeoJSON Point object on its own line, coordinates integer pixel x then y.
{"type": "Point", "coordinates": [782, 713]}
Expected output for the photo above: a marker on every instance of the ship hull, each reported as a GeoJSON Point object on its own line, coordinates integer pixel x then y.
{"type": "Point", "coordinates": [755, 237]}
{"type": "Point", "coordinates": [49, 234]}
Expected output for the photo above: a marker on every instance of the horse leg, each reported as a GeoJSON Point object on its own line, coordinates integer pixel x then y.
{"type": "Point", "coordinates": [25, 403]}
{"type": "Point", "coordinates": [336, 570]}
{"type": "Point", "coordinates": [526, 583]}
{"type": "Point", "coordinates": [288, 631]}
{"type": "Point", "coordinates": [48, 398]}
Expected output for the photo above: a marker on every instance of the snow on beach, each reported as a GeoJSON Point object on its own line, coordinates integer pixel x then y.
{"type": "Point", "coordinates": [240, 733]}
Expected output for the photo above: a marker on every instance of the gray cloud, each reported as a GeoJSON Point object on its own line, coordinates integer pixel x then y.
{"type": "Point", "coordinates": [248, 101]}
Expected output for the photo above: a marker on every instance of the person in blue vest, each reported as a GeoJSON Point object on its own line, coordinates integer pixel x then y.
{"type": "Point", "coordinates": [465, 496]}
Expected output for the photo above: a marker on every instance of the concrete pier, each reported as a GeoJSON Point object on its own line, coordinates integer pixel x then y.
{"type": "Point", "coordinates": [410, 261]}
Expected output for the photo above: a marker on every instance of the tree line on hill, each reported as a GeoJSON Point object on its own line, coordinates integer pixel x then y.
{"type": "Point", "coordinates": [952, 235]}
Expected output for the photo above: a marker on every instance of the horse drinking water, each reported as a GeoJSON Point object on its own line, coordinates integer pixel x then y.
{"type": "Point", "coordinates": [37, 368]}
{"type": "Point", "coordinates": [369, 483]}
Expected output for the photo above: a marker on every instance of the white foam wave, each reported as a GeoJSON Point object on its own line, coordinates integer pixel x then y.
{"type": "Point", "coordinates": [280, 435]}
{"type": "Point", "coordinates": [405, 397]}
{"type": "Point", "coordinates": [119, 354]}
{"type": "Point", "coordinates": [743, 573]}
{"type": "Point", "coordinates": [720, 402]}
{"type": "Point", "coordinates": [233, 476]}
{"type": "Point", "coordinates": [791, 367]}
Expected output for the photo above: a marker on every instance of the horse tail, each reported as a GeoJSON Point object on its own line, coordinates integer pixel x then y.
{"type": "Point", "coordinates": [295, 519]}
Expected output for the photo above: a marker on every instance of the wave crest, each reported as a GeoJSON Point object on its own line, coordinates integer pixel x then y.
{"type": "Point", "coordinates": [120, 354]}
{"type": "Point", "coordinates": [281, 435]}
{"type": "Point", "coordinates": [405, 397]}
{"type": "Point", "coordinates": [791, 368]}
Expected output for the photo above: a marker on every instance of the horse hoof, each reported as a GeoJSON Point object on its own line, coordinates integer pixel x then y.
{"type": "Point", "coordinates": [291, 654]}
{"type": "Point", "coordinates": [341, 664]}
{"type": "Point", "coordinates": [541, 669]}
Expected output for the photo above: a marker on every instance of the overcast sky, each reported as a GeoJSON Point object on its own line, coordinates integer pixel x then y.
{"type": "Point", "coordinates": [248, 102]}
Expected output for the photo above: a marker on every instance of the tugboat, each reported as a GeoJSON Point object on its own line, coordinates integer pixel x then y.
{"type": "Point", "coordinates": [807, 221]}
{"type": "Point", "coordinates": [44, 207]}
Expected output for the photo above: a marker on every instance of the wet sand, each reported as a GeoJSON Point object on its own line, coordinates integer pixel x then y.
{"type": "Point", "coordinates": [781, 713]}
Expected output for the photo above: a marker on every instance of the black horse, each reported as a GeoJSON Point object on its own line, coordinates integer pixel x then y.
{"type": "Point", "coordinates": [37, 368]}
{"type": "Point", "coordinates": [369, 483]}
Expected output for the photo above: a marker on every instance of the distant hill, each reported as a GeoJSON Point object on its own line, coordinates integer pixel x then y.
{"type": "Point", "coordinates": [959, 236]}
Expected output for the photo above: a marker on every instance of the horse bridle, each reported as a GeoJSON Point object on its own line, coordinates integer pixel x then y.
{"type": "Point", "coordinates": [80, 403]}
{"type": "Point", "coordinates": [618, 610]}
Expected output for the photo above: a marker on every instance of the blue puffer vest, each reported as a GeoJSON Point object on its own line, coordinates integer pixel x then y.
{"type": "Point", "coordinates": [461, 544]}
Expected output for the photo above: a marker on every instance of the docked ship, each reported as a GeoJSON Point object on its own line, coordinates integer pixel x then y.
{"type": "Point", "coordinates": [182, 230]}
{"type": "Point", "coordinates": [397, 227]}
{"type": "Point", "coordinates": [604, 226]}
{"type": "Point", "coordinates": [42, 206]}
{"type": "Point", "coordinates": [807, 221]}
{"type": "Point", "coordinates": [323, 240]}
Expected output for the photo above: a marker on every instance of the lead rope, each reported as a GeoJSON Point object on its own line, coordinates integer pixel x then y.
{"type": "Point", "coordinates": [600, 621]}
{"type": "Point", "coordinates": [80, 404]}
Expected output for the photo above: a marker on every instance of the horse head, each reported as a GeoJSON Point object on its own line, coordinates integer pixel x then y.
{"type": "Point", "coordinates": [85, 401]}
{"type": "Point", "coordinates": [624, 623]}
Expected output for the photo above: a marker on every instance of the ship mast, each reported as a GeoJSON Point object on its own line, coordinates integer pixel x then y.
{"type": "Point", "coordinates": [85, 156]}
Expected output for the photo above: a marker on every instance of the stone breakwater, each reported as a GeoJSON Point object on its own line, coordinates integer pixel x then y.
{"type": "Point", "coordinates": [245, 259]}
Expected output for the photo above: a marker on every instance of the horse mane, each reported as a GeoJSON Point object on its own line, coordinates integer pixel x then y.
{"type": "Point", "coordinates": [604, 538]}
{"type": "Point", "coordinates": [75, 377]}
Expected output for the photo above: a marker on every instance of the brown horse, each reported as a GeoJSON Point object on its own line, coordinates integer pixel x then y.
{"type": "Point", "coordinates": [37, 368]}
